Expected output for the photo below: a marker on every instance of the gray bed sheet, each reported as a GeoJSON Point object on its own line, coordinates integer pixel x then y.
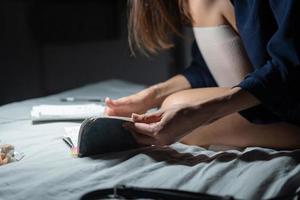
{"type": "Point", "coordinates": [48, 171]}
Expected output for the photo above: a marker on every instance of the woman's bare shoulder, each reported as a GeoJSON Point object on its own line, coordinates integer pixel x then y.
{"type": "Point", "coordinates": [210, 12]}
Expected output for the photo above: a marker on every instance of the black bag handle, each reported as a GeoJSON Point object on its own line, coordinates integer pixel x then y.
{"type": "Point", "coordinates": [121, 191]}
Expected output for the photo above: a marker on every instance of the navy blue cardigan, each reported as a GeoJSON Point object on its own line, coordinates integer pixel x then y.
{"type": "Point", "coordinates": [270, 33]}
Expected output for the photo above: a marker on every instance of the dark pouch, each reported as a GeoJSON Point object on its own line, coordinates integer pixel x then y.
{"type": "Point", "coordinates": [104, 135]}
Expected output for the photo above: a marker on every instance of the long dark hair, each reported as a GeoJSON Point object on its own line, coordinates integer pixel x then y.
{"type": "Point", "coordinates": [152, 22]}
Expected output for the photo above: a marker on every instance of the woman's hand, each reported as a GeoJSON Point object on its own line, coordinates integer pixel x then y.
{"type": "Point", "coordinates": [136, 103]}
{"type": "Point", "coordinates": [163, 127]}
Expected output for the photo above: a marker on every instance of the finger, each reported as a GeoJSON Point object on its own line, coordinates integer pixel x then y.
{"type": "Point", "coordinates": [112, 103]}
{"type": "Point", "coordinates": [145, 129]}
{"type": "Point", "coordinates": [124, 101]}
{"type": "Point", "coordinates": [142, 139]}
{"type": "Point", "coordinates": [147, 118]}
{"type": "Point", "coordinates": [117, 112]}
{"type": "Point", "coordinates": [108, 112]}
{"type": "Point", "coordinates": [141, 131]}
{"type": "Point", "coordinates": [108, 101]}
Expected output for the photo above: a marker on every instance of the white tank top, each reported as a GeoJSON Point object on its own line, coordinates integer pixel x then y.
{"type": "Point", "coordinates": [224, 54]}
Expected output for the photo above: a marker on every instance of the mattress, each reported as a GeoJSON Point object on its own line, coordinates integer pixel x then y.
{"type": "Point", "coordinates": [48, 170]}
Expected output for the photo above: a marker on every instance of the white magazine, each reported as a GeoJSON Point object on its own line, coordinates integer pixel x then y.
{"type": "Point", "coordinates": [66, 112]}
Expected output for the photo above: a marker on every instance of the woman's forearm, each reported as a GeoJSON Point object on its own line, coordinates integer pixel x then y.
{"type": "Point", "coordinates": [238, 100]}
{"type": "Point", "coordinates": [233, 101]}
{"type": "Point", "coordinates": [218, 106]}
{"type": "Point", "coordinates": [164, 89]}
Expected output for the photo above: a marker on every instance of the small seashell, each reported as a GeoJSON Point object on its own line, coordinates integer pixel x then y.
{"type": "Point", "coordinates": [5, 148]}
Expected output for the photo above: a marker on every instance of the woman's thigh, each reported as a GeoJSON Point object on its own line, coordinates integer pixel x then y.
{"type": "Point", "coordinates": [234, 130]}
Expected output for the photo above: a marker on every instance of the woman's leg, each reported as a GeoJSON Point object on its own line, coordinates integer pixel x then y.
{"type": "Point", "coordinates": [234, 130]}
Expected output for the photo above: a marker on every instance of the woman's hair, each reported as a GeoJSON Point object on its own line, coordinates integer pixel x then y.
{"type": "Point", "coordinates": [152, 22]}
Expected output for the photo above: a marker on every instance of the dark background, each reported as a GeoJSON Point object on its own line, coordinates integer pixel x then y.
{"type": "Point", "coordinates": [50, 46]}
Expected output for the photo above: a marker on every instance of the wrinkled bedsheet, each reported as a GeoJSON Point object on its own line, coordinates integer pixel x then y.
{"type": "Point", "coordinates": [48, 171]}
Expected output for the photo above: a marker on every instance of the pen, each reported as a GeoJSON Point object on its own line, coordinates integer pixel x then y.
{"type": "Point", "coordinates": [74, 99]}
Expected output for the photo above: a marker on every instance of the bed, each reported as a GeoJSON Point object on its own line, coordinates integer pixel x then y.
{"type": "Point", "coordinates": [48, 171]}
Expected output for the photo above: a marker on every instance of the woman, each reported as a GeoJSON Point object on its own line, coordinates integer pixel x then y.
{"type": "Point", "coordinates": [239, 91]}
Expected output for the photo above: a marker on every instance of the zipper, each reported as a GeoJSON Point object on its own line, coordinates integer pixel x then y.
{"type": "Point", "coordinates": [86, 123]}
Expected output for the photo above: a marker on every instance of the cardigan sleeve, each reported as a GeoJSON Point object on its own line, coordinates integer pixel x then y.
{"type": "Point", "coordinates": [276, 83]}
{"type": "Point", "coordinates": [198, 73]}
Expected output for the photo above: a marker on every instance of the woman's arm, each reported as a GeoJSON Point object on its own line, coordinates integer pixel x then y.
{"type": "Point", "coordinates": [146, 99]}
{"type": "Point", "coordinates": [230, 101]}
{"type": "Point", "coordinates": [168, 126]}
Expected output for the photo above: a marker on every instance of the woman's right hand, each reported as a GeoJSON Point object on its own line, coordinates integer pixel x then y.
{"type": "Point", "coordinates": [148, 98]}
{"type": "Point", "coordinates": [136, 103]}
